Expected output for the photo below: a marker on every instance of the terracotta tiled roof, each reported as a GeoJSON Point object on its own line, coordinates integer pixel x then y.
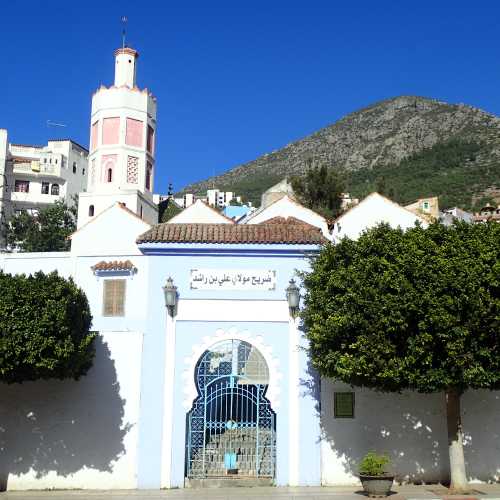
{"type": "Point", "coordinates": [114, 265]}
{"type": "Point", "coordinates": [289, 234]}
{"type": "Point", "coordinates": [485, 218]}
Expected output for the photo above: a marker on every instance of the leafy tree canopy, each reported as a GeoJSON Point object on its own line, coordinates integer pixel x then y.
{"type": "Point", "coordinates": [418, 309]}
{"type": "Point", "coordinates": [168, 209]}
{"type": "Point", "coordinates": [413, 310]}
{"type": "Point", "coordinates": [44, 328]}
{"type": "Point", "coordinates": [48, 231]}
{"type": "Point", "coordinates": [320, 189]}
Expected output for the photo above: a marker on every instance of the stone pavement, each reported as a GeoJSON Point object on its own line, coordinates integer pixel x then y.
{"type": "Point", "coordinates": [410, 492]}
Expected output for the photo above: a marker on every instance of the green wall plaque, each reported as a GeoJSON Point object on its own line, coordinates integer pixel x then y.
{"type": "Point", "coordinates": [343, 405]}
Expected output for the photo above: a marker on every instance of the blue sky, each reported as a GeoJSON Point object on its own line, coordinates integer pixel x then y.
{"type": "Point", "coordinates": [238, 79]}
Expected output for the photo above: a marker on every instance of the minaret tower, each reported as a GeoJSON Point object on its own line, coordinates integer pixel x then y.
{"type": "Point", "coordinates": [122, 143]}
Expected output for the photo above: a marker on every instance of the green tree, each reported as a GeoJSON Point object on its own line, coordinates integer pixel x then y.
{"type": "Point", "coordinates": [168, 209]}
{"type": "Point", "coordinates": [48, 231]}
{"type": "Point", "coordinates": [416, 310]}
{"type": "Point", "coordinates": [44, 328]}
{"type": "Point", "coordinates": [320, 189]}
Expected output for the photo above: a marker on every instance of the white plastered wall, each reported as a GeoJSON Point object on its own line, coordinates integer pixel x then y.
{"type": "Point", "coordinates": [199, 213]}
{"type": "Point", "coordinates": [113, 232]}
{"type": "Point", "coordinates": [286, 207]}
{"type": "Point", "coordinates": [371, 211]}
{"type": "Point", "coordinates": [76, 434]}
{"type": "Point", "coordinates": [411, 428]}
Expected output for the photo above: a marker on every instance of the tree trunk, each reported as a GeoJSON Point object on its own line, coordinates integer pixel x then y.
{"type": "Point", "coordinates": [458, 482]}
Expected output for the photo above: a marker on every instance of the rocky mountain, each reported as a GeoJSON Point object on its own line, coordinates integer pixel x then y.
{"type": "Point", "coordinates": [380, 138]}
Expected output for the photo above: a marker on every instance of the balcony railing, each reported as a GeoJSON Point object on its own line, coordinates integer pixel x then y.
{"type": "Point", "coordinates": [37, 168]}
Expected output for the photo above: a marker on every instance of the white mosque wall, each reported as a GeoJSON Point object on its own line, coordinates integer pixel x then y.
{"type": "Point", "coordinates": [82, 434]}
{"type": "Point", "coordinates": [76, 434]}
{"type": "Point", "coordinates": [112, 233]}
{"type": "Point", "coordinates": [411, 428]}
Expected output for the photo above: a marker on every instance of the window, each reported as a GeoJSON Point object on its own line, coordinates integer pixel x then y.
{"type": "Point", "coordinates": [54, 190]}
{"type": "Point", "coordinates": [141, 212]}
{"type": "Point", "coordinates": [92, 172]}
{"type": "Point", "coordinates": [93, 136]}
{"type": "Point", "coordinates": [22, 187]}
{"type": "Point", "coordinates": [114, 298]}
{"type": "Point", "coordinates": [91, 211]}
{"type": "Point", "coordinates": [109, 175]}
{"type": "Point", "coordinates": [343, 404]}
{"type": "Point", "coordinates": [149, 174]}
{"type": "Point", "coordinates": [55, 161]}
{"type": "Point", "coordinates": [45, 188]}
{"type": "Point", "coordinates": [74, 167]}
{"type": "Point", "coordinates": [83, 171]}
{"type": "Point", "coordinates": [132, 169]}
{"type": "Point", "coordinates": [151, 139]}
{"type": "Point", "coordinates": [426, 205]}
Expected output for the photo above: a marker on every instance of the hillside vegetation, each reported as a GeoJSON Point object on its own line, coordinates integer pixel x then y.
{"type": "Point", "coordinates": [448, 170]}
{"type": "Point", "coordinates": [415, 146]}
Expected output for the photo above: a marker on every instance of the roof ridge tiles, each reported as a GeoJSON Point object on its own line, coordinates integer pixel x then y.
{"type": "Point", "coordinates": [280, 233]}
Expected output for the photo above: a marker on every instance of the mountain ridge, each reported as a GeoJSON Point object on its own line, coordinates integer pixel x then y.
{"type": "Point", "coordinates": [380, 135]}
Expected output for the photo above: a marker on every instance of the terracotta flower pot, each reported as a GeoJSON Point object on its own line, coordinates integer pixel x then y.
{"type": "Point", "coordinates": [377, 486]}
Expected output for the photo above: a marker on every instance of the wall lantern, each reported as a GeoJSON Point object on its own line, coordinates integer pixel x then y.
{"type": "Point", "coordinates": [293, 298]}
{"type": "Point", "coordinates": [171, 297]}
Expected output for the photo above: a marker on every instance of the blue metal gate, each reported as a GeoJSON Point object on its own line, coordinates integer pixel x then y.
{"type": "Point", "coordinates": [231, 428]}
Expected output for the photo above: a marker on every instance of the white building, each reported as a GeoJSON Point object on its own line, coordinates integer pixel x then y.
{"type": "Point", "coordinates": [33, 177]}
{"type": "Point", "coordinates": [287, 207]}
{"type": "Point", "coordinates": [122, 144]}
{"type": "Point", "coordinates": [201, 213]}
{"type": "Point", "coordinates": [371, 211]}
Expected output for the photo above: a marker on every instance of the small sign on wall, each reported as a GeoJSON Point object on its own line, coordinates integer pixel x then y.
{"type": "Point", "coordinates": [343, 406]}
{"type": "Point", "coordinates": [232, 279]}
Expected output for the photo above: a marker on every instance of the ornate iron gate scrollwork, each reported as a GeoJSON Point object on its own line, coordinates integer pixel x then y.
{"type": "Point", "coordinates": [231, 428]}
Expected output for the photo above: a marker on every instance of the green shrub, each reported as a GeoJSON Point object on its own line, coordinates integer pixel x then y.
{"type": "Point", "coordinates": [44, 328]}
{"type": "Point", "coordinates": [374, 465]}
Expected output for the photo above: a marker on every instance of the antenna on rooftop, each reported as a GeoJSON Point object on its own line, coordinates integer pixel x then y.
{"type": "Point", "coordinates": [124, 32]}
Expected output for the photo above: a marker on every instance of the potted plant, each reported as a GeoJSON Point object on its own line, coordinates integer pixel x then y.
{"type": "Point", "coordinates": [374, 474]}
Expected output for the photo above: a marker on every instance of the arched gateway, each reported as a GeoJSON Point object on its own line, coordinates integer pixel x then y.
{"type": "Point", "coordinates": [231, 427]}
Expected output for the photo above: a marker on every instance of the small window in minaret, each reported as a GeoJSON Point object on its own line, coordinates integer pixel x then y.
{"type": "Point", "coordinates": [132, 170]}
{"type": "Point", "coordinates": [109, 175]}
{"type": "Point", "coordinates": [91, 211]}
{"type": "Point", "coordinates": [151, 139]}
{"type": "Point", "coordinates": [92, 172]}
{"type": "Point", "coordinates": [93, 136]}
{"type": "Point", "coordinates": [149, 174]}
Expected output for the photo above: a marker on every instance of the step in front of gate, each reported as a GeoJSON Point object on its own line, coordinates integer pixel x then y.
{"type": "Point", "coordinates": [229, 482]}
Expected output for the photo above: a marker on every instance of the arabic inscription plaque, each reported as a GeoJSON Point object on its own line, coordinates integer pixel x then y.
{"type": "Point", "coordinates": [233, 279]}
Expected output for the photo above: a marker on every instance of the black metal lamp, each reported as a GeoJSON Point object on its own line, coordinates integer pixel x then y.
{"type": "Point", "coordinates": [293, 297]}
{"type": "Point", "coordinates": [171, 297]}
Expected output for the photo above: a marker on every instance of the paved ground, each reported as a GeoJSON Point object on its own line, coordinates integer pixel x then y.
{"type": "Point", "coordinates": [490, 492]}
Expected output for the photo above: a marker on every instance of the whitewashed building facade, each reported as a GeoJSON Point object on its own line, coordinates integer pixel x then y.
{"type": "Point", "coordinates": [34, 177]}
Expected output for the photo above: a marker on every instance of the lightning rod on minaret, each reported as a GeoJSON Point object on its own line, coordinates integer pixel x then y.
{"type": "Point", "coordinates": [124, 23]}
